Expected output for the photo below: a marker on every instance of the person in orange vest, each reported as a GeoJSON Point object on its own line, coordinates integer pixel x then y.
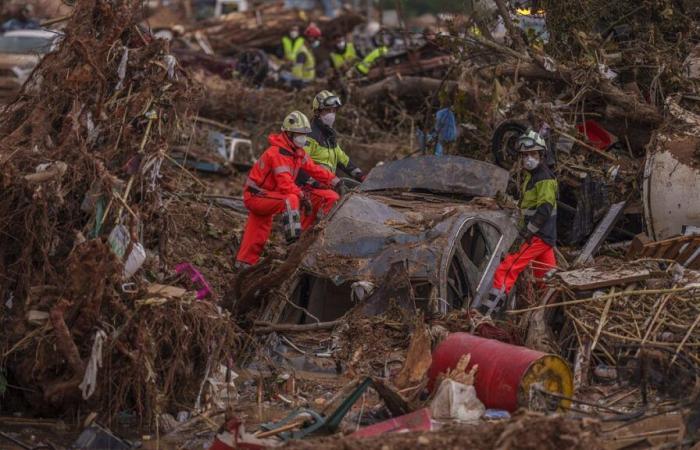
{"type": "Point", "coordinates": [270, 188]}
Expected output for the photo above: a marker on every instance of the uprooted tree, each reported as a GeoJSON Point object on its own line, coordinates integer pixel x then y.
{"type": "Point", "coordinates": [84, 151]}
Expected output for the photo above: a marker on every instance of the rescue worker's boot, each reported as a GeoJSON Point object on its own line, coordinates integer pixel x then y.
{"type": "Point", "coordinates": [291, 222]}
{"type": "Point", "coordinates": [494, 304]}
{"type": "Point", "coordinates": [241, 265]}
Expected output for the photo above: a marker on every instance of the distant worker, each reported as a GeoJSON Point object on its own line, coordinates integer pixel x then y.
{"type": "Point", "coordinates": [344, 55]}
{"type": "Point", "coordinates": [270, 188]}
{"type": "Point", "coordinates": [538, 225]}
{"type": "Point", "coordinates": [291, 44]}
{"type": "Point", "coordinates": [304, 65]}
{"type": "Point", "coordinates": [322, 146]}
{"type": "Point", "coordinates": [381, 48]}
{"type": "Point", "coordinates": [23, 21]}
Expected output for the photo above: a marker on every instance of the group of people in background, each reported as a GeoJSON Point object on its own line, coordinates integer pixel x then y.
{"type": "Point", "coordinates": [302, 65]}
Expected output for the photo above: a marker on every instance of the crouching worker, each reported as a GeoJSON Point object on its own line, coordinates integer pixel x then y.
{"type": "Point", "coordinates": [270, 188]}
{"type": "Point", "coordinates": [538, 225]}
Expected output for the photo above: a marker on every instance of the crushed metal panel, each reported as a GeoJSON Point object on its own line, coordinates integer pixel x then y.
{"type": "Point", "coordinates": [446, 174]}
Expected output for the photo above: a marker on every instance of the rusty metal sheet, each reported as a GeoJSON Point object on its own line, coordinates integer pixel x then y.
{"type": "Point", "coordinates": [443, 174]}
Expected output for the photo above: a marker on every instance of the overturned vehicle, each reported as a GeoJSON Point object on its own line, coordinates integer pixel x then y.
{"type": "Point", "coordinates": [426, 230]}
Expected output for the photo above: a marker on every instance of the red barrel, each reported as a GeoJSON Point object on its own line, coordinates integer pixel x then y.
{"type": "Point", "coordinates": [506, 372]}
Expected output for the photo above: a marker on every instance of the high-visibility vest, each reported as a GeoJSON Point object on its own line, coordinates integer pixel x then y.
{"type": "Point", "coordinates": [346, 58]}
{"type": "Point", "coordinates": [305, 71]}
{"type": "Point", "coordinates": [539, 196]}
{"type": "Point", "coordinates": [291, 47]}
{"type": "Point", "coordinates": [366, 63]}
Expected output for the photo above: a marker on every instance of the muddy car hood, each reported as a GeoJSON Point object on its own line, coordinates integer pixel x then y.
{"type": "Point", "coordinates": [369, 232]}
{"type": "Point", "coordinates": [8, 61]}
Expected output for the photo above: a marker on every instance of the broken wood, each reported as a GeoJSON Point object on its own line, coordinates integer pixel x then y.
{"type": "Point", "coordinates": [269, 327]}
{"type": "Point", "coordinates": [418, 359]}
{"type": "Point", "coordinates": [601, 232]}
{"type": "Point", "coordinates": [403, 86]}
{"type": "Point", "coordinates": [593, 278]}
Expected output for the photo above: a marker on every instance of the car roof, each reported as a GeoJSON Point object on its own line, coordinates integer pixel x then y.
{"type": "Point", "coordinates": [42, 33]}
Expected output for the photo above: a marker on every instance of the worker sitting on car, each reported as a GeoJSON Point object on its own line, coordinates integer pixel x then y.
{"type": "Point", "coordinates": [538, 226]}
{"type": "Point", "coordinates": [270, 188]}
{"type": "Point", "coordinates": [322, 146]}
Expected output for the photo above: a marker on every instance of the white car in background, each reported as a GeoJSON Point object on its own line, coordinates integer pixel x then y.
{"type": "Point", "coordinates": [20, 52]}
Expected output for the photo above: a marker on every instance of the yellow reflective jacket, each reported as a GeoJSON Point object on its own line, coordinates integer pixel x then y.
{"type": "Point", "coordinates": [304, 64]}
{"type": "Point", "coordinates": [369, 60]}
{"type": "Point", "coordinates": [291, 48]}
{"type": "Point", "coordinates": [539, 203]}
{"type": "Point", "coordinates": [324, 150]}
{"type": "Point", "coordinates": [345, 59]}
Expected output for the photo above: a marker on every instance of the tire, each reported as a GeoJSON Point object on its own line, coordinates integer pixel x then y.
{"type": "Point", "coordinates": [503, 142]}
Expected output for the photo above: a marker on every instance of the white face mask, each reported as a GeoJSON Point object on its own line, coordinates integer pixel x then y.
{"type": "Point", "coordinates": [294, 34]}
{"type": "Point", "coordinates": [340, 45]}
{"type": "Point", "coordinates": [315, 44]}
{"type": "Point", "coordinates": [299, 140]}
{"type": "Point", "coordinates": [530, 162]}
{"type": "Point", "coordinates": [328, 118]}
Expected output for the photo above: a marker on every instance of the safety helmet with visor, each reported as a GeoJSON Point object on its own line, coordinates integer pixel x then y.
{"type": "Point", "coordinates": [326, 100]}
{"type": "Point", "coordinates": [297, 126]}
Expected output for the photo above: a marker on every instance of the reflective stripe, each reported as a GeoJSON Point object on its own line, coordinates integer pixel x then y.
{"type": "Point", "coordinates": [253, 184]}
{"type": "Point", "coordinates": [369, 60]}
{"type": "Point", "coordinates": [532, 212]}
{"type": "Point", "coordinates": [281, 169]}
{"type": "Point", "coordinates": [532, 228]}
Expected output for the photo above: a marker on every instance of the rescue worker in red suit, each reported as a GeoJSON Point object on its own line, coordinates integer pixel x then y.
{"type": "Point", "coordinates": [538, 226]}
{"type": "Point", "coordinates": [271, 189]}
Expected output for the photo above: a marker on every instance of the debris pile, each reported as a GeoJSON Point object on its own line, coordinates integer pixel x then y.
{"type": "Point", "coordinates": [84, 207]}
{"type": "Point", "coordinates": [640, 320]}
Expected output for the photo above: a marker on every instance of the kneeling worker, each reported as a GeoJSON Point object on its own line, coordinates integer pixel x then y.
{"type": "Point", "coordinates": [271, 189]}
{"type": "Point", "coordinates": [538, 226]}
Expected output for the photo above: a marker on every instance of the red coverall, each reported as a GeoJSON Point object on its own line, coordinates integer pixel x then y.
{"type": "Point", "coordinates": [270, 189]}
{"type": "Point", "coordinates": [322, 200]}
{"type": "Point", "coordinates": [535, 252]}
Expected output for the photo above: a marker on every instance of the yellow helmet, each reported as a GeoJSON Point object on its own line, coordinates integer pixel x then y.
{"type": "Point", "coordinates": [326, 99]}
{"type": "Point", "coordinates": [296, 122]}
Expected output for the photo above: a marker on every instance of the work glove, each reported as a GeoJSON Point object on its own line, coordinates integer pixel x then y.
{"type": "Point", "coordinates": [358, 175]}
{"type": "Point", "coordinates": [341, 189]}
{"type": "Point", "coordinates": [525, 234]}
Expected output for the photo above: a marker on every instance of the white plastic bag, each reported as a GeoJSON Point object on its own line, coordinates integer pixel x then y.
{"type": "Point", "coordinates": [456, 401]}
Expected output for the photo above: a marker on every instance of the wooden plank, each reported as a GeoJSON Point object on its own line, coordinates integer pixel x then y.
{"type": "Point", "coordinates": [660, 250]}
{"type": "Point", "coordinates": [638, 245]}
{"type": "Point", "coordinates": [673, 250]}
{"type": "Point", "coordinates": [593, 278]}
{"type": "Point", "coordinates": [601, 232]}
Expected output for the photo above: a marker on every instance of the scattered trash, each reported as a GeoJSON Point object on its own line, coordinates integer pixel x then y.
{"type": "Point", "coordinates": [97, 437]}
{"type": "Point", "coordinates": [456, 401]}
{"type": "Point", "coordinates": [419, 420]}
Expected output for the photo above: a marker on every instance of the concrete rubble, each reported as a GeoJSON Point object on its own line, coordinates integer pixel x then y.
{"type": "Point", "coordinates": [124, 151]}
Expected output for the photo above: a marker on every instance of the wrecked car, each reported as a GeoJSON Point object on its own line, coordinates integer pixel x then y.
{"type": "Point", "coordinates": [432, 220]}
{"type": "Point", "coordinates": [20, 52]}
